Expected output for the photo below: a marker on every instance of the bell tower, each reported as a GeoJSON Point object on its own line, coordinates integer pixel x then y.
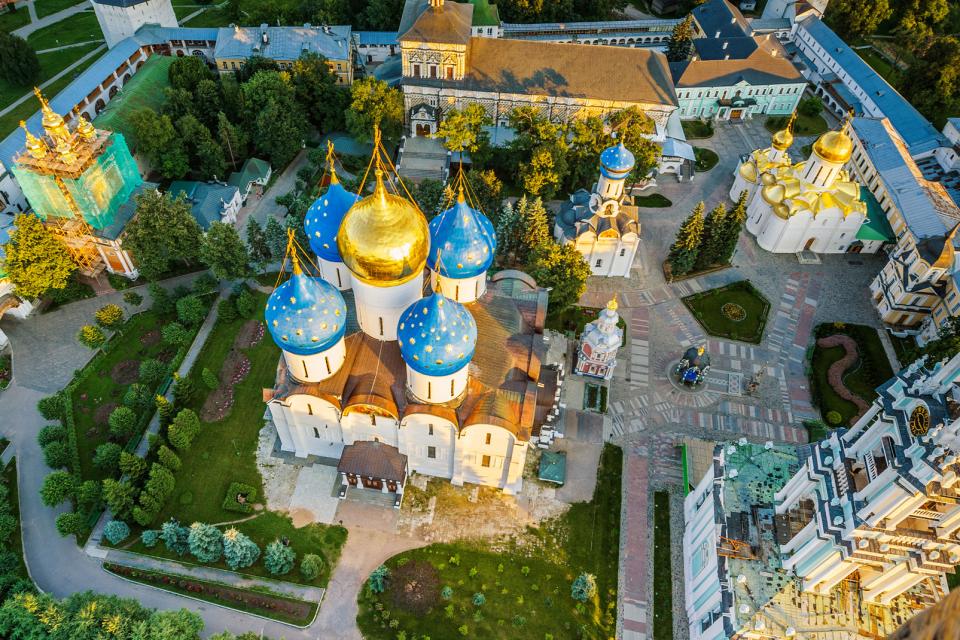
{"type": "Point", "coordinates": [120, 19]}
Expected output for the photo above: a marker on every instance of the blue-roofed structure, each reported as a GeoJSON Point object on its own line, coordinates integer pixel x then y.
{"type": "Point", "coordinates": [376, 38]}
{"type": "Point", "coordinates": [462, 242]}
{"type": "Point", "coordinates": [617, 162]}
{"type": "Point", "coordinates": [322, 221]}
{"type": "Point", "coordinates": [283, 44]}
{"type": "Point", "coordinates": [720, 19]}
{"type": "Point", "coordinates": [306, 315]}
{"type": "Point", "coordinates": [209, 201]}
{"type": "Point", "coordinates": [437, 336]}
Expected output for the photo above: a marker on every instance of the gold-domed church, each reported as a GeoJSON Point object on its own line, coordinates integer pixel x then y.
{"type": "Point", "coordinates": [399, 353]}
{"type": "Point", "coordinates": [811, 205]}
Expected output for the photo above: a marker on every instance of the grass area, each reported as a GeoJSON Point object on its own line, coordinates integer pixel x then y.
{"type": "Point", "coordinates": [906, 349]}
{"type": "Point", "coordinates": [24, 110]}
{"type": "Point", "coordinates": [183, 10]}
{"type": "Point", "coordinates": [13, 20]}
{"type": "Point", "coordinates": [804, 125]}
{"type": "Point", "coordinates": [953, 580]}
{"type": "Point", "coordinates": [50, 65]}
{"type": "Point", "coordinates": [652, 201]}
{"type": "Point", "coordinates": [574, 319]}
{"type": "Point", "coordinates": [697, 129]}
{"type": "Point", "coordinates": [662, 570]}
{"type": "Point", "coordinates": [871, 369]}
{"type": "Point", "coordinates": [47, 7]}
{"type": "Point", "coordinates": [710, 310]}
{"type": "Point", "coordinates": [706, 158]}
{"type": "Point", "coordinates": [246, 600]}
{"type": "Point", "coordinates": [212, 17]}
{"type": "Point", "coordinates": [16, 540]}
{"type": "Point", "coordinates": [79, 28]}
{"type": "Point", "coordinates": [268, 279]}
{"type": "Point", "coordinates": [526, 585]}
{"type": "Point", "coordinates": [485, 13]}
{"type": "Point", "coordinates": [880, 64]}
{"type": "Point", "coordinates": [145, 90]}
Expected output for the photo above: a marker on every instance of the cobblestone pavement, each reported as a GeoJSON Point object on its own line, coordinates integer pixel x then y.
{"type": "Point", "coordinates": [649, 414]}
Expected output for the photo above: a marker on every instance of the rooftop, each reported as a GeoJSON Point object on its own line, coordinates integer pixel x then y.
{"type": "Point", "coordinates": [206, 199]}
{"type": "Point", "coordinates": [719, 16]}
{"type": "Point", "coordinates": [145, 90]}
{"type": "Point", "coordinates": [283, 43]}
{"type": "Point", "coordinates": [448, 24]}
{"type": "Point", "coordinates": [766, 63]}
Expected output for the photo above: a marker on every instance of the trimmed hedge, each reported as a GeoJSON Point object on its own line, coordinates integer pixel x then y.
{"type": "Point", "coordinates": [230, 500]}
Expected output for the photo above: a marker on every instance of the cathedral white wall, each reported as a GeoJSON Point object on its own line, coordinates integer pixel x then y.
{"type": "Point", "coordinates": [118, 23]}
{"type": "Point", "coordinates": [498, 463]}
{"type": "Point", "coordinates": [612, 257]}
{"type": "Point", "coordinates": [828, 232]}
{"type": "Point", "coordinates": [421, 435]}
{"type": "Point", "coordinates": [319, 366]}
{"type": "Point", "coordinates": [359, 426]}
{"type": "Point", "coordinates": [741, 184]}
{"type": "Point", "coordinates": [437, 389]}
{"type": "Point", "coordinates": [463, 290]}
{"type": "Point", "coordinates": [312, 426]}
{"type": "Point", "coordinates": [336, 273]}
{"type": "Point", "coordinates": [379, 308]}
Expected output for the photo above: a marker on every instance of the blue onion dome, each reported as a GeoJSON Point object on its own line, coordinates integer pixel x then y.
{"type": "Point", "coordinates": [322, 220]}
{"type": "Point", "coordinates": [617, 162]}
{"type": "Point", "coordinates": [306, 315]}
{"type": "Point", "coordinates": [437, 335]}
{"type": "Point", "coordinates": [462, 242]}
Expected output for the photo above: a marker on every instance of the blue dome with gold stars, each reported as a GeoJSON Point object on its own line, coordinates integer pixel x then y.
{"type": "Point", "coordinates": [462, 242]}
{"type": "Point", "coordinates": [437, 335]}
{"type": "Point", "coordinates": [617, 162]}
{"type": "Point", "coordinates": [306, 315]}
{"type": "Point", "coordinates": [322, 220]}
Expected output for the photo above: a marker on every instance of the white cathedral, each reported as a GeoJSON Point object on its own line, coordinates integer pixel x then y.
{"type": "Point", "coordinates": [811, 205]}
{"type": "Point", "coordinates": [446, 375]}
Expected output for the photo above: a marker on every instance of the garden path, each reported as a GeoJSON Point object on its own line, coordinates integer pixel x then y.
{"type": "Point", "coordinates": [39, 23]}
{"type": "Point", "coordinates": [79, 61]}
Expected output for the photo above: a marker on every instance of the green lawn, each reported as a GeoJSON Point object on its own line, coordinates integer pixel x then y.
{"type": "Point", "coordinates": [694, 129]}
{"type": "Point", "coordinates": [16, 540]}
{"type": "Point", "coordinates": [78, 28]}
{"type": "Point", "coordinates": [706, 158]}
{"type": "Point", "coordinates": [708, 308]}
{"type": "Point", "coordinates": [803, 126]}
{"type": "Point", "coordinates": [873, 58]}
{"type": "Point", "coordinates": [652, 201]}
{"type": "Point", "coordinates": [871, 370]}
{"type": "Point", "coordinates": [212, 17]}
{"type": "Point", "coordinates": [46, 7]}
{"type": "Point", "coordinates": [11, 21]}
{"type": "Point", "coordinates": [662, 569]}
{"type": "Point", "coordinates": [520, 603]}
{"type": "Point", "coordinates": [484, 13]}
{"type": "Point", "coordinates": [145, 90]}
{"type": "Point", "coordinates": [50, 65]}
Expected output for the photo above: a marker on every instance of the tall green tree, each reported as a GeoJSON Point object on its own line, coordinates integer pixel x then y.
{"type": "Point", "coordinates": [276, 237]}
{"type": "Point", "coordinates": [275, 119]}
{"type": "Point", "coordinates": [714, 238]}
{"type": "Point", "coordinates": [533, 226]}
{"type": "Point", "coordinates": [36, 261]}
{"type": "Point", "coordinates": [162, 232]}
{"type": "Point", "coordinates": [508, 234]}
{"type": "Point", "coordinates": [232, 139]}
{"type": "Point", "coordinates": [208, 103]}
{"type": "Point", "coordinates": [544, 172]}
{"type": "Point", "coordinates": [188, 72]}
{"type": "Point", "coordinates": [857, 18]}
{"type": "Point", "coordinates": [920, 20]}
{"type": "Point", "coordinates": [587, 140]}
{"type": "Point", "coordinates": [562, 269]}
{"type": "Point", "coordinates": [383, 15]}
{"type": "Point", "coordinates": [224, 252]}
{"type": "Point", "coordinates": [487, 190]}
{"type": "Point", "coordinates": [159, 141]}
{"type": "Point", "coordinates": [20, 66]}
{"type": "Point", "coordinates": [374, 102]}
{"type": "Point", "coordinates": [462, 129]}
{"type": "Point", "coordinates": [253, 66]}
{"type": "Point", "coordinates": [680, 45]}
{"type": "Point", "coordinates": [318, 92]}
{"type": "Point", "coordinates": [206, 156]}
{"type": "Point", "coordinates": [734, 225]}
{"type": "Point", "coordinates": [933, 81]}
{"type": "Point", "coordinates": [258, 249]}
{"type": "Point", "coordinates": [686, 247]}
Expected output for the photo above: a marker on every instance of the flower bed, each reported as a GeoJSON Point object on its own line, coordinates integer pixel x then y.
{"type": "Point", "coordinates": [716, 311]}
{"type": "Point", "coordinates": [733, 311]}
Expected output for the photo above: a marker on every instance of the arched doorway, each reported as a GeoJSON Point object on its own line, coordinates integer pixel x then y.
{"type": "Point", "coordinates": [423, 130]}
{"type": "Point", "coordinates": [809, 244]}
{"type": "Point", "coordinates": [99, 106]}
{"type": "Point", "coordinates": [113, 91]}
{"type": "Point", "coordinates": [126, 79]}
{"type": "Point", "coordinates": [179, 53]}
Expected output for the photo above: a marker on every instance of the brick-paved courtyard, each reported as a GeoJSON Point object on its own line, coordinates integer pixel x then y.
{"type": "Point", "coordinates": [649, 414]}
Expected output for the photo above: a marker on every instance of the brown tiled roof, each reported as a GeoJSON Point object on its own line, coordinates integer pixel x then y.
{"type": "Point", "coordinates": [449, 24]}
{"type": "Point", "coordinates": [372, 459]}
{"type": "Point", "coordinates": [531, 67]}
{"type": "Point", "coordinates": [376, 368]}
{"type": "Point", "coordinates": [768, 64]}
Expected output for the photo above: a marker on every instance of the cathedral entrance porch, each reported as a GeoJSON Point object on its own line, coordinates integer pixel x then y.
{"type": "Point", "coordinates": [374, 466]}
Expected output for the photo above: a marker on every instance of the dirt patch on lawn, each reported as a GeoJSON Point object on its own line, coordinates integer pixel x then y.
{"type": "Point", "coordinates": [150, 338]}
{"type": "Point", "coordinates": [251, 333]}
{"type": "Point", "coordinates": [166, 356]}
{"type": "Point", "coordinates": [125, 372]}
{"type": "Point", "coordinates": [217, 405]}
{"type": "Point", "coordinates": [102, 414]}
{"type": "Point", "coordinates": [235, 368]}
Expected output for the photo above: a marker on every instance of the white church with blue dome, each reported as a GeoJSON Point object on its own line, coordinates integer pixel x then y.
{"type": "Point", "coordinates": [603, 224]}
{"type": "Point", "coordinates": [437, 369]}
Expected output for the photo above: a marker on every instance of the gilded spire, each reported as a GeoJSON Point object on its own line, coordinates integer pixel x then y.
{"type": "Point", "coordinates": [35, 146]}
{"type": "Point", "coordinates": [292, 252]}
{"type": "Point", "coordinates": [612, 305]}
{"type": "Point", "coordinates": [84, 129]}
{"type": "Point", "coordinates": [460, 197]}
{"type": "Point", "coordinates": [53, 122]}
{"type": "Point", "coordinates": [331, 163]}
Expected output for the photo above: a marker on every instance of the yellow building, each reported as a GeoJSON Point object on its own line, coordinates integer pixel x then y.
{"type": "Point", "coordinates": [235, 45]}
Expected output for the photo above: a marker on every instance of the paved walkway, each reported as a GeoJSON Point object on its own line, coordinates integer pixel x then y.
{"type": "Point", "coordinates": [263, 207]}
{"type": "Point", "coordinates": [46, 83]}
{"type": "Point", "coordinates": [69, 46]}
{"type": "Point", "coordinates": [39, 23]}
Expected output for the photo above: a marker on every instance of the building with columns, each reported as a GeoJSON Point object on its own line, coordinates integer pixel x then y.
{"type": "Point", "coordinates": [847, 538]}
{"type": "Point", "coordinates": [446, 372]}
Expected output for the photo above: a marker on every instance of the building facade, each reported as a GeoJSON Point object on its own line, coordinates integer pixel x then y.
{"type": "Point", "coordinates": [599, 343]}
{"type": "Point", "coordinates": [235, 45]}
{"type": "Point", "coordinates": [120, 19]}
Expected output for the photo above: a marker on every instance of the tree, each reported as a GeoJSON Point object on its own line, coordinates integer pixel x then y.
{"type": "Point", "coordinates": [246, 303]}
{"type": "Point", "coordinates": [90, 335]}
{"type": "Point", "coordinates": [150, 538]}
{"type": "Point", "coordinates": [279, 558]}
{"type": "Point", "coordinates": [430, 196]}
{"type": "Point", "coordinates": [191, 311]}
{"type": "Point", "coordinates": [183, 429]}
{"type": "Point", "coordinates": [684, 251]}
{"type": "Point", "coordinates": [175, 537]}
{"type": "Point", "coordinates": [543, 173]}
{"type": "Point", "coordinates": [811, 106]}
{"type": "Point", "coordinates": [51, 433]}
{"type": "Point", "coordinates": [462, 129]}
{"type": "Point", "coordinates": [680, 45]}
{"type": "Point", "coordinates": [532, 225]}
{"type": "Point", "coordinates": [163, 231]}
{"type": "Point", "coordinates": [857, 18]}
{"type": "Point", "coordinates": [232, 139]}
{"type": "Point", "coordinates": [508, 234]}
{"type": "Point", "coordinates": [383, 14]}
{"type": "Point", "coordinates": [258, 251]}
{"type": "Point", "coordinates": [920, 20]}
{"type": "Point", "coordinates": [275, 119]}
{"type": "Point", "coordinates": [58, 487]}
{"type": "Point", "coordinates": [206, 542]}
{"type": "Point", "coordinates": [584, 587]}
{"type": "Point", "coordinates": [377, 582]}
{"type": "Point", "coordinates": [56, 455]}
{"type": "Point", "coordinates": [160, 142]}
{"type": "Point", "coordinates": [238, 550]}
{"type": "Point", "coordinates": [209, 379]}
{"type": "Point", "coordinates": [109, 316]}
{"type": "Point", "coordinates": [88, 494]}
{"type": "Point", "coordinates": [208, 104]}
{"type": "Point", "coordinates": [107, 456]}
{"type": "Point", "coordinates": [206, 155]}
{"type": "Point", "coordinates": [36, 260]}
{"type": "Point", "coordinates": [276, 237]}
{"type": "Point", "coordinates": [224, 252]}
{"type": "Point", "coordinates": [188, 72]}
{"type": "Point", "coordinates": [311, 566]}
{"type": "Point", "coordinates": [20, 67]}
{"type": "Point", "coordinates": [51, 407]}
{"type": "Point", "coordinates": [587, 140]}
{"type": "Point", "coordinates": [479, 599]}
{"type": "Point", "coordinates": [152, 372]}
{"type": "Point", "coordinates": [69, 523]}
{"type": "Point", "coordinates": [253, 66]}
{"type": "Point", "coordinates": [713, 241]}
{"type": "Point", "coordinates": [161, 300]}
{"type": "Point", "coordinates": [123, 422]}
{"type": "Point", "coordinates": [933, 82]}
{"type": "Point", "coordinates": [562, 269]}
{"type": "Point", "coordinates": [374, 102]}
{"type": "Point", "coordinates": [487, 190]}
{"type": "Point", "coordinates": [116, 531]}
{"type": "Point", "coordinates": [175, 334]}
{"type": "Point", "coordinates": [132, 465]}
{"type": "Point", "coordinates": [734, 224]}
{"type": "Point", "coordinates": [119, 496]}
{"type": "Point", "coordinates": [132, 298]}
{"type": "Point", "coordinates": [946, 344]}
{"type": "Point", "coordinates": [315, 86]}
{"type": "Point", "coordinates": [168, 458]}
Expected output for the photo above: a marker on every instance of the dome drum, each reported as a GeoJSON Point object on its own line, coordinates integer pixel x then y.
{"type": "Point", "coordinates": [429, 389]}
{"type": "Point", "coordinates": [379, 308]}
{"type": "Point", "coordinates": [463, 290]}
{"type": "Point", "coordinates": [316, 367]}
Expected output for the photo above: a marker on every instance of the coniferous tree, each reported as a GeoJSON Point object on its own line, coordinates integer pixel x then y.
{"type": "Point", "coordinates": [232, 139]}
{"type": "Point", "coordinates": [276, 238]}
{"type": "Point", "coordinates": [508, 229]}
{"type": "Point", "coordinates": [734, 224]}
{"type": "Point", "coordinates": [563, 270]}
{"type": "Point", "coordinates": [238, 550]}
{"type": "Point", "coordinates": [279, 558]}
{"type": "Point", "coordinates": [223, 251]}
{"type": "Point", "coordinates": [257, 248]}
{"type": "Point", "coordinates": [206, 542]}
{"type": "Point", "coordinates": [714, 238]}
{"type": "Point", "coordinates": [681, 40]}
{"type": "Point", "coordinates": [20, 66]}
{"type": "Point", "coordinates": [684, 251]}
{"type": "Point", "coordinates": [534, 230]}
{"type": "Point", "coordinates": [175, 537]}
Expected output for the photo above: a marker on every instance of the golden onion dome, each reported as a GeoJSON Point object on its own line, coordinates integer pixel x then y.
{"type": "Point", "coordinates": [768, 179]}
{"type": "Point", "coordinates": [383, 238]}
{"type": "Point", "coordinates": [748, 171]}
{"type": "Point", "coordinates": [834, 146]}
{"type": "Point", "coordinates": [782, 139]}
{"type": "Point", "coordinates": [773, 194]}
{"type": "Point", "coordinates": [781, 211]}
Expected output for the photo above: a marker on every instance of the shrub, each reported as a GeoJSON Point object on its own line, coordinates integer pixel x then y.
{"type": "Point", "coordinates": [161, 483]}
{"type": "Point", "coordinates": [206, 542]}
{"type": "Point", "coordinates": [191, 310]}
{"type": "Point", "coordinates": [143, 517]}
{"type": "Point", "coordinates": [132, 298]}
{"type": "Point", "coordinates": [91, 336]}
{"type": "Point", "coordinates": [209, 378]}
{"type": "Point", "coordinates": [230, 502]}
{"type": "Point", "coordinates": [175, 334]}
{"type": "Point", "coordinates": [279, 558]}
{"type": "Point", "coordinates": [88, 494]}
{"type": "Point", "coordinates": [834, 418]}
{"type": "Point", "coordinates": [519, 621]}
{"type": "Point", "coordinates": [123, 422]}
{"type": "Point", "coordinates": [56, 455]}
{"type": "Point", "coordinates": [51, 433]}
{"type": "Point", "coordinates": [464, 631]}
{"type": "Point", "coordinates": [246, 304]}
{"type": "Point", "coordinates": [584, 587]}
{"type": "Point", "coordinates": [226, 311]}
{"type": "Point", "coordinates": [119, 496]}
{"type": "Point", "coordinates": [107, 457]}
{"type": "Point", "coordinates": [152, 372]}
{"type": "Point", "coordinates": [51, 407]}
{"type": "Point", "coordinates": [168, 458]}
{"type": "Point", "coordinates": [378, 579]}
{"type": "Point", "coordinates": [69, 523]}
{"type": "Point", "coordinates": [58, 487]}
{"type": "Point", "coordinates": [109, 316]}
{"type": "Point", "coordinates": [311, 566]}
{"type": "Point", "coordinates": [446, 593]}
{"type": "Point", "coordinates": [183, 429]}
{"type": "Point", "coordinates": [238, 550]}
{"type": "Point", "coordinates": [116, 531]}
{"type": "Point", "coordinates": [165, 410]}
{"type": "Point", "coordinates": [132, 465]}
{"type": "Point", "coordinates": [138, 398]}
{"type": "Point", "coordinates": [525, 570]}
{"type": "Point", "coordinates": [206, 283]}
{"type": "Point", "coordinates": [150, 538]}
{"type": "Point", "coordinates": [175, 537]}
{"type": "Point", "coordinates": [8, 524]}
{"type": "Point", "coordinates": [183, 391]}
{"type": "Point", "coordinates": [479, 599]}
{"type": "Point", "coordinates": [163, 302]}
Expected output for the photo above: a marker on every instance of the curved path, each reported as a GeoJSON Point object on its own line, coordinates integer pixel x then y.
{"type": "Point", "coordinates": [45, 356]}
{"type": "Point", "coordinates": [840, 367]}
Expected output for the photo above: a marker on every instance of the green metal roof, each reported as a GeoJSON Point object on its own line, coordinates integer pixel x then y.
{"type": "Point", "coordinates": [876, 227]}
{"type": "Point", "coordinates": [253, 169]}
{"type": "Point", "coordinates": [553, 467]}
{"type": "Point", "coordinates": [145, 90]}
{"type": "Point", "coordinates": [485, 14]}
